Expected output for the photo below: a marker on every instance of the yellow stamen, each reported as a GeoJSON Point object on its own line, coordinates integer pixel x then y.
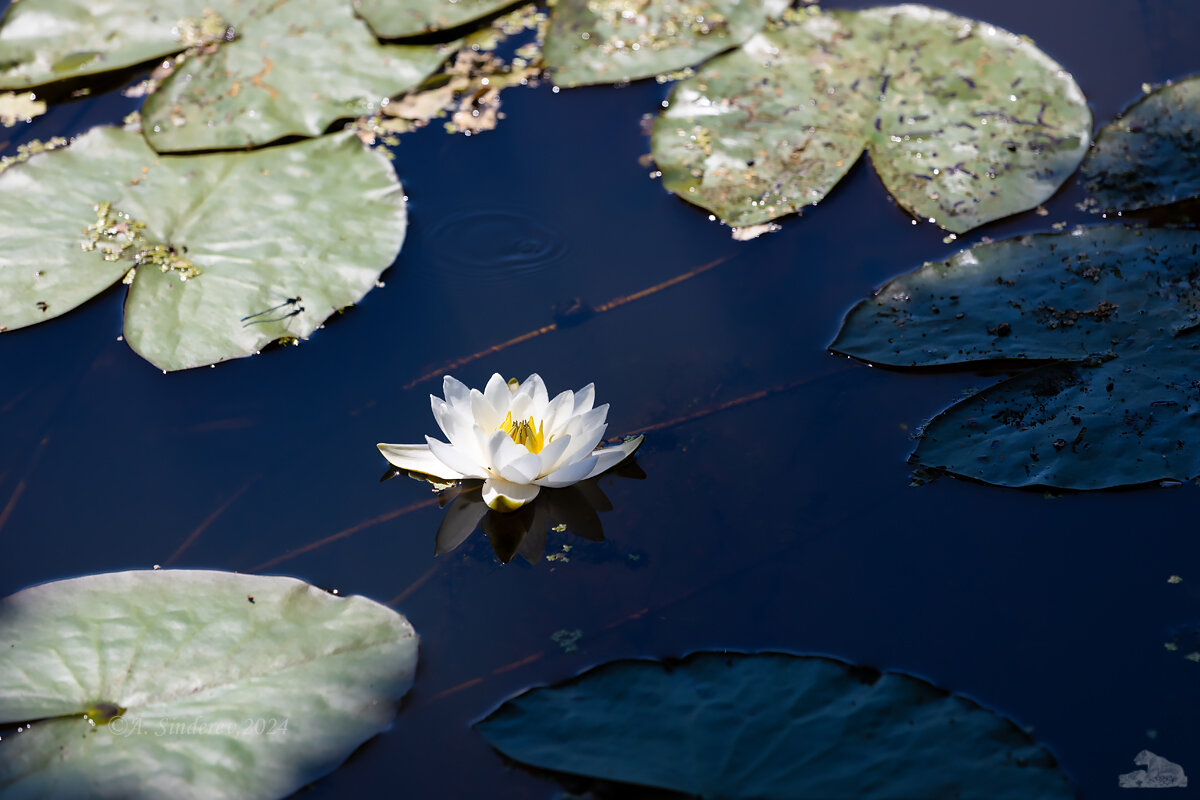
{"type": "Point", "coordinates": [524, 434]}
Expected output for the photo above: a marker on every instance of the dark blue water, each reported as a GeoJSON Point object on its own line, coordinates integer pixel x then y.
{"type": "Point", "coordinates": [785, 524]}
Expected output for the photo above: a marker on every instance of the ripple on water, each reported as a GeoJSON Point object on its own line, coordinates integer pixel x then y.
{"type": "Point", "coordinates": [494, 245]}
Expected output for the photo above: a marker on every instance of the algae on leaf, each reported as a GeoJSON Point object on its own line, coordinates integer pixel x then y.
{"type": "Point", "coordinates": [394, 18]}
{"type": "Point", "coordinates": [296, 68]}
{"type": "Point", "coordinates": [191, 684]}
{"type": "Point", "coordinates": [611, 41]}
{"type": "Point", "coordinates": [1115, 310]}
{"type": "Point", "coordinates": [216, 273]}
{"type": "Point", "coordinates": [772, 725]}
{"type": "Point", "coordinates": [965, 122]}
{"type": "Point", "coordinates": [1150, 155]}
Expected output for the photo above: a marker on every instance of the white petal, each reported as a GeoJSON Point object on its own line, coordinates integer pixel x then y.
{"type": "Point", "coordinates": [584, 398]}
{"type": "Point", "coordinates": [558, 411]}
{"type": "Point", "coordinates": [483, 412]}
{"type": "Point", "coordinates": [522, 406]}
{"type": "Point", "coordinates": [503, 496]}
{"type": "Point", "coordinates": [456, 393]}
{"type": "Point", "coordinates": [418, 458]}
{"type": "Point", "coordinates": [522, 469]}
{"type": "Point", "coordinates": [455, 459]}
{"type": "Point", "coordinates": [535, 387]}
{"type": "Point", "coordinates": [609, 457]}
{"type": "Point", "coordinates": [572, 473]}
{"type": "Point", "coordinates": [457, 427]}
{"type": "Point", "coordinates": [583, 442]}
{"type": "Point", "coordinates": [502, 450]}
{"type": "Point", "coordinates": [552, 453]}
{"type": "Point", "coordinates": [498, 394]}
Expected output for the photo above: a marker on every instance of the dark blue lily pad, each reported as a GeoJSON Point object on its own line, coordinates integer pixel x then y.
{"type": "Point", "coordinates": [1150, 155]}
{"type": "Point", "coordinates": [772, 725]}
{"type": "Point", "coordinates": [1113, 311]}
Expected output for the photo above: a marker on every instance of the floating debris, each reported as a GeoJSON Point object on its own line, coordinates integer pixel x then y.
{"type": "Point", "coordinates": [19, 107]}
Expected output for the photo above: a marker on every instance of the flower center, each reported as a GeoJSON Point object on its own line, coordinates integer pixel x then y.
{"type": "Point", "coordinates": [523, 433]}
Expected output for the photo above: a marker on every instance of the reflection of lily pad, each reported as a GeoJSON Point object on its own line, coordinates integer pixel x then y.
{"type": "Point", "coordinates": [191, 684]}
{"type": "Point", "coordinates": [51, 40]}
{"type": "Point", "coordinates": [609, 41]}
{"type": "Point", "coordinates": [772, 726]}
{"type": "Point", "coordinates": [1122, 304]}
{"type": "Point", "coordinates": [393, 18]}
{"type": "Point", "coordinates": [1150, 155]}
{"type": "Point", "coordinates": [965, 122]}
{"type": "Point", "coordinates": [296, 67]}
{"type": "Point", "coordinates": [222, 273]}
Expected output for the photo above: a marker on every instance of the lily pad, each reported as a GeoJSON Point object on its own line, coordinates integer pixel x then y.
{"type": "Point", "coordinates": [220, 273]}
{"type": "Point", "coordinates": [1150, 155]}
{"type": "Point", "coordinates": [44, 41]}
{"type": "Point", "coordinates": [295, 68]}
{"type": "Point", "coordinates": [1122, 305]}
{"type": "Point", "coordinates": [191, 684]}
{"type": "Point", "coordinates": [1087, 425]}
{"type": "Point", "coordinates": [771, 725]}
{"type": "Point", "coordinates": [965, 122]}
{"type": "Point", "coordinates": [611, 41]}
{"type": "Point", "coordinates": [395, 18]}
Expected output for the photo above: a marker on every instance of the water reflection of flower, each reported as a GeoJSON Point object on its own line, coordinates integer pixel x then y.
{"type": "Point", "coordinates": [514, 438]}
{"type": "Point", "coordinates": [575, 509]}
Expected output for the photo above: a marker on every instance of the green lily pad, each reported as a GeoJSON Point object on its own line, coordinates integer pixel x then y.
{"type": "Point", "coordinates": [42, 41]}
{"type": "Point", "coordinates": [394, 18]}
{"type": "Point", "coordinates": [191, 684]}
{"type": "Point", "coordinates": [965, 122]}
{"type": "Point", "coordinates": [1150, 155]}
{"type": "Point", "coordinates": [296, 68]}
{"type": "Point", "coordinates": [611, 41]}
{"type": "Point", "coordinates": [770, 725]}
{"type": "Point", "coordinates": [1120, 305]}
{"type": "Point", "coordinates": [220, 272]}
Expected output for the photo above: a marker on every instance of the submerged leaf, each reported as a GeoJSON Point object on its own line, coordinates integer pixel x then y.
{"type": "Point", "coordinates": [1150, 155]}
{"type": "Point", "coordinates": [219, 274]}
{"type": "Point", "coordinates": [1122, 305]}
{"type": "Point", "coordinates": [191, 684]}
{"type": "Point", "coordinates": [965, 122]}
{"type": "Point", "coordinates": [296, 68]}
{"type": "Point", "coordinates": [770, 725]}
{"type": "Point", "coordinates": [611, 41]}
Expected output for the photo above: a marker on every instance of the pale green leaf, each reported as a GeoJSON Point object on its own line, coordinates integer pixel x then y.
{"type": "Point", "coordinates": [295, 68]}
{"type": "Point", "coordinates": [394, 18]}
{"type": "Point", "coordinates": [281, 238]}
{"type": "Point", "coordinates": [611, 41]}
{"type": "Point", "coordinates": [198, 684]}
{"type": "Point", "coordinates": [42, 41]}
{"type": "Point", "coordinates": [965, 122]}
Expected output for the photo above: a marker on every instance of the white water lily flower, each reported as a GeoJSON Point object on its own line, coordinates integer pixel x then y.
{"type": "Point", "coordinates": [515, 438]}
